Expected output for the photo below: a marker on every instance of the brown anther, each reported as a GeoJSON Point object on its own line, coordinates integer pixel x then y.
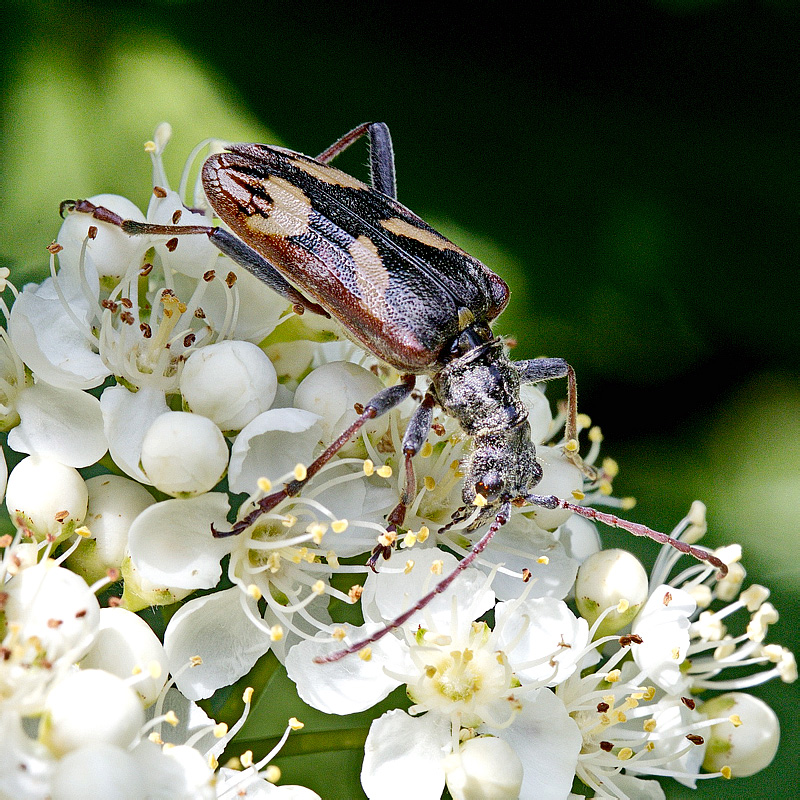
{"type": "Point", "coordinates": [5, 653]}
{"type": "Point", "coordinates": [92, 232]}
{"type": "Point", "coordinates": [359, 407]}
{"type": "Point", "coordinates": [199, 313]}
{"type": "Point", "coordinates": [689, 703]}
{"type": "Point", "coordinates": [606, 747]}
{"type": "Point", "coordinates": [127, 317]}
{"type": "Point", "coordinates": [3, 600]}
{"type": "Point", "coordinates": [126, 301]}
{"type": "Point", "coordinates": [176, 217]}
{"type": "Point", "coordinates": [167, 293]}
{"type": "Point", "coordinates": [209, 275]}
{"type": "Point", "coordinates": [602, 708]}
{"type": "Point", "coordinates": [113, 574]}
{"type": "Point", "coordinates": [629, 639]}
{"type": "Point", "coordinates": [171, 244]}
{"type": "Point", "coordinates": [146, 269]}
{"type": "Point", "coordinates": [54, 247]}
{"type": "Point", "coordinates": [510, 342]}
{"type": "Point", "coordinates": [189, 339]}
{"type": "Point", "coordinates": [159, 192]}
{"type": "Point", "coordinates": [80, 614]}
{"type": "Point", "coordinates": [6, 539]}
{"type": "Point", "coordinates": [526, 575]}
{"type": "Point", "coordinates": [146, 330]}
{"type": "Point", "coordinates": [61, 515]}
{"type": "Point", "coordinates": [110, 305]}
{"type": "Point", "coordinates": [438, 429]}
{"type": "Point", "coordinates": [298, 309]}
{"type": "Point", "coordinates": [694, 738]}
{"type": "Point", "coordinates": [230, 279]}
{"type": "Point", "coordinates": [54, 623]}
{"type": "Point", "coordinates": [667, 598]}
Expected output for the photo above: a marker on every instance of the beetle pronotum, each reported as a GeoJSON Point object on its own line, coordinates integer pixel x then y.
{"type": "Point", "coordinates": [335, 246]}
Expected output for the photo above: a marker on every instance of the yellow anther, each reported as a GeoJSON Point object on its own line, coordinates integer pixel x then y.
{"type": "Point", "coordinates": [408, 566]}
{"type": "Point", "coordinates": [339, 634]}
{"type": "Point", "coordinates": [366, 654]}
{"type": "Point", "coordinates": [613, 676]}
{"type": "Point", "coordinates": [623, 606]}
{"type": "Point", "coordinates": [220, 730]}
{"type": "Point", "coordinates": [735, 720]}
{"type": "Point", "coordinates": [650, 746]}
{"type": "Point", "coordinates": [409, 540]}
{"type": "Point", "coordinates": [295, 724]}
{"type": "Point", "coordinates": [272, 773]}
{"type": "Point", "coordinates": [583, 420]}
{"type": "Point", "coordinates": [369, 467]}
{"type": "Point", "coordinates": [577, 494]}
{"type": "Point", "coordinates": [437, 567]}
{"type": "Point", "coordinates": [339, 525]}
{"type": "Point", "coordinates": [83, 531]}
{"type": "Point", "coordinates": [649, 693]}
{"type": "Point", "coordinates": [332, 559]}
{"type": "Point", "coordinates": [318, 588]}
{"type": "Point", "coordinates": [480, 501]}
{"type": "Point", "coordinates": [195, 661]}
{"type": "Point", "coordinates": [385, 471]}
{"type": "Point", "coordinates": [423, 534]}
{"type": "Point", "coordinates": [276, 633]}
{"type": "Point", "coordinates": [149, 147]}
{"type": "Point", "coordinates": [154, 669]}
{"type": "Point", "coordinates": [247, 694]}
{"type": "Point", "coordinates": [726, 773]}
{"type": "Point", "coordinates": [605, 487]}
{"type": "Point", "coordinates": [289, 521]}
{"type": "Point", "coordinates": [426, 451]}
{"type": "Point", "coordinates": [246, 759]}
{"type": "Point", "coordinates": [171, 718]}
{"type": "Point", "coordinates": [610, 467]}
{"type": "Point", "coordinates": [264, 485]}
{"type": "Point", "coordinates": [155, 738]}
{"type": "Point", "coordinates": [254, 592]}
{"type": "Point", "coordinates": [627, 503]}
{"type": "Point", "coordinates": [317, 531]}
{"type": "Point", "coordinates": [429, 483]}
{"type": "Point", "coordinates": [625, 754]}
{"type": "Point", "coordinates": [595, 434]}
{"type": "Point", "coordinates": [543, 560]}
{"type": "Point", "coordinates": [213, 762]}
{"type": "Point", "coordinates": [571, 446]}
{"type": "Point", "coordinates": [300, 472]}
{"type": "Point", "coordinates": [649, 725]}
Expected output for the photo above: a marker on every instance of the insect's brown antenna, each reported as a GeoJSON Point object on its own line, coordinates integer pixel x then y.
{"type": "Point", "coordinates": [500, 519]}
{"type": "Point", "coordinates": [551, 501]}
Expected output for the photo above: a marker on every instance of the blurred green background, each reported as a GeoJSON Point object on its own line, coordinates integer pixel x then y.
{"type": "Point", "coordinates": [629, 167]}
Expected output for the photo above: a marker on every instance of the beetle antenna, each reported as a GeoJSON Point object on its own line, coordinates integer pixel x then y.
{"type": "Point", "coordinates": [500, 519]}
{"type": "Point", "coordinates": [551, 501]}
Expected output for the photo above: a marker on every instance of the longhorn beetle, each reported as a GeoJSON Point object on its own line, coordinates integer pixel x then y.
{"type": "Point", "coordinates": [332, 245]}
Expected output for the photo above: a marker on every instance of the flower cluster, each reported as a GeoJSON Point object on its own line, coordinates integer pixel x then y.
{"type": "Point", "coordinates": [158, 391]}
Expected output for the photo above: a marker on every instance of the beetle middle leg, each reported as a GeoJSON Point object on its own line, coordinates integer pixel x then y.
{"type": "Point", "coordinates": [546, 369]}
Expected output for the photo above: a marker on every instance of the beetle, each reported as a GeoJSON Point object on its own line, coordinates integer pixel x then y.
{"type": "Point", "coordinates": [335, 246]}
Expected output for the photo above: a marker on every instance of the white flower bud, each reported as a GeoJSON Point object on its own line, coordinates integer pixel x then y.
{"type": "Point", "coordinates": [604, 580]}
{"type": "Point", "coordinates": [90, 706]}
{"type": "Point", "coordinates": [184, 454]}
{"type": "Point", "coordinates": [486, 768]}
{"type": "Point", "coordinates": [139, 593]}
{"type": "Point", "coordinates": [46, 497]}
{"type": "Point", "coordinates": [747, 747]}
{"type": "Point", "coordinates": [125, 645]}
{"type": "Point", "coordinates": [98, 770]}
{"type": "Point", "coordinates": [332, 390]}
{"type": "Point", "coordinates": [114, 503]}
{"type": "Point", "coordinates": [230, 382]}
{"type": "Point", "coordinates": [561, 478]}
{"type": "Point", "coordinates": [53, 607]}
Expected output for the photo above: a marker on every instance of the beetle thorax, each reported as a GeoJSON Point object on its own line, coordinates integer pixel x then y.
{"type": "Point", "coordinates": [481, 390]}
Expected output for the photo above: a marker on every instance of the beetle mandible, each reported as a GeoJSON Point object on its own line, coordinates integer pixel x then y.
{"type": "Point", "coordinates": [334, 246]}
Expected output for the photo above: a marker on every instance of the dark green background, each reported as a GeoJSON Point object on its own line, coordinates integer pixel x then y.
{"type": "Point", "coordinates": [630, 167]}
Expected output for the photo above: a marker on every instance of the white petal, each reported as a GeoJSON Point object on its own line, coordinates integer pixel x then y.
{"type": "Point", "coordinates": [171, 542]}
{"type": "Point", "coordinates": [547, 741]}
{"type": "Point", "coordinates": [63, 424]}
{"type": "Point", "coordinates": [49, 342]}
{"type": "Point", "coordinates": [127, 416]}
{"type": "Point", "coordinates": [271, 446]}
{"type": "Point", "coordinates": [350, 684]}
{"type": "Point", "coordinates": [216, 628]}
{"type": "Point", "coordinates": [535, 629]}
{"type": "Point", "coordinates": [392, 591]}
{"type": "Point", "coordinates": [404, 757]}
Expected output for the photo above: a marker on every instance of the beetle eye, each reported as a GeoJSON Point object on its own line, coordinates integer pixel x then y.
{"type": "Point", "coordinates": [490, 486]}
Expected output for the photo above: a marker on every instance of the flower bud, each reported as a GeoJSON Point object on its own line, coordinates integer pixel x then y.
{"type": "Point", "coordinates": [485, 768]}
{"type": "Point", "coordinates": [90, 706]}
{"type": "Point", "coordinates": [98, 770]}
{"type": "Point", "coordinates": [746, 747]}
{"type": "Point", "coordinates": [184, 454]}
{"type": "Point", "coordinates": [229, 382]}
{"type": "Point", "coordinates": [332, 391]}
{"type": "Point", "coordinates": [124, 646]}
{"type": "Point", "coordinates": [604, 580]}
{"type": "Point", "coordinates": [46, 497]}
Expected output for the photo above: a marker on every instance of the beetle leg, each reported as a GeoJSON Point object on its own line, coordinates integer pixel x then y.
{"type": "Point", "coordinates": [381, 155]}
{"type": "Point", "coordinates": [384, 401]}
{"type": "Point", "coordinates": [244, 255]}
{"type": "Point", "coordinates": [546, 369]}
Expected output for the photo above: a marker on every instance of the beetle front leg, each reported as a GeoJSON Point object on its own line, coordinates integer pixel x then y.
{"type": "Point", "coordinates": [384, 401]}
{"type": "Point", "coordinates": [239, 252]}
{"type": "Point", "coordinates": [547, 369]}
{"type": "Point", "coordinates": [381, 155]}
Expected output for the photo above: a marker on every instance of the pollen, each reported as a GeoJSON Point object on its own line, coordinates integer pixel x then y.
{"type": "Point", "coordinates": [276, 633]}
{"type": "Point", "coordinates": [430, 483]}
{"type": "Point", "coordinates": [339, 525]}
{"type": "Point", "coordinates": [480, 501]}
{"type": "Point", "coordinates": [649, 725]}
{"type": "Point", "coordinates": [220, 730]}
{"type": "Point", "coordinates": [254, 592]}
{"type": "Point", "coordinates": [595, 434]}
{"type": "Point", "coordinates": [427, 450]}
{"type": "Point", "coordinates": [735, 720]}
{"type": "Point", "coordinates": [584, 421]}
{"type": "Point", "coordinates": [295, 724]}
{"type": "Point", "coordinates": [571, 446]}
{"type": "Point", "coordinates": [409, 540]}
{"type": "Point", "coordinates": [384, 471]}
{"type": "Point", "coordinates": [366, 654]}
{"type": "Point", "coordinates": [171, 718]}
{"type": "Point", "coordinates": [577, 494]}
{"type": "Point", "coordinates": [300, 472]}
{"type": "Point", "coordinates": [437, 566]}
{"type": "Point", "coordinates": [625, 754]}
{"type": "Point", "coordinates": [369, 467]}
{"type": "Point", "coordinates": [543, 560]}
{"type": "Point", "coordinates": [318, 587]}
{"type": "Point", "coordinates": [264, 485]}
{"type": "Point", "coordinates": [423, 534]}
{"type": "Point", "coordinates": [408, 566]}
{"type": "Point", "coordinates": [247, 694]}
{"type": "Point", "coordinates": [272, 773]}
